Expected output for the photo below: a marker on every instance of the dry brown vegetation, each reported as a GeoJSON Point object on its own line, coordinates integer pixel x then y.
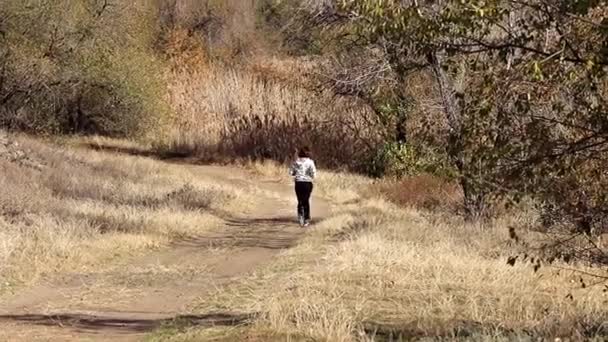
{"type": "Point", "coordinates": [235, 95]}
{"type": "Point", "coordinates": [80, 208]}
{"type": "Point", "coordinates": [422, 192]}
{"type": "Point", "coordinates": [242, 113]}
{"type": "Point", "coordinates": [375, 271]}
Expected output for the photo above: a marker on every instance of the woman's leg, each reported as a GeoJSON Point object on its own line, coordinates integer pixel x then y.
{"type": "Point", "coordinates": [307, 193]}
{"type": "Point", "coordinates": [300, 194]}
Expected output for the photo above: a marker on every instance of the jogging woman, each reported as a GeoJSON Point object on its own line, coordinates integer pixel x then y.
{"type": "Point", "coordinates": [303, 170]}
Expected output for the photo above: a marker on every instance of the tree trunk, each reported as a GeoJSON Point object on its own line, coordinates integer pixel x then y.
{"type": "Point", "coordinates": [474, 199]}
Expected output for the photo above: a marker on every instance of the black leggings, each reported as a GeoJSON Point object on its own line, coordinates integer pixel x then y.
{"type": "Point", "coordinates": [303, 191]}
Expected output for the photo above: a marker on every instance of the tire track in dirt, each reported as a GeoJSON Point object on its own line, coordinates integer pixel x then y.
{"type": "Point", "coordinates": [149, 291]}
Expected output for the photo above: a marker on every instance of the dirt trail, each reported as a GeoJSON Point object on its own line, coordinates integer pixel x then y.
{"type": "Point", "coordinates": [143, 293]}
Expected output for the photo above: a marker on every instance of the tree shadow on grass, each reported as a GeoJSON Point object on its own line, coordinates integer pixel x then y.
{"type": "Point", "coordinates": [132, 151]}
{"type": "Point", "coordinates": [126, 325]}
{"type": "Point", "coordinates": [183, 156]}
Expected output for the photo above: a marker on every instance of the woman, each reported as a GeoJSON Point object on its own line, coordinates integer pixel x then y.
{"type": "Point", "coordinates": [303, 171]}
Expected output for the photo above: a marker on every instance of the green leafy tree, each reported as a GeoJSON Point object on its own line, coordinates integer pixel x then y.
{"type": "Point", "coordinates": [521, 84]}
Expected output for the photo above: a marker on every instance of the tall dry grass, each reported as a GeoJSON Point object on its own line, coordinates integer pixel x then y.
{"type": "Point", "coordinates": [82, 208]}
{"type": "Point", "coordinates": [263, 109]}
{"type": "Point", "coordinates": [424, 191]}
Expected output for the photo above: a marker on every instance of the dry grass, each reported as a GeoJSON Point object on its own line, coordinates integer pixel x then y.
{"type": "Point", "coordinates": [247, 112]}
{"type": "Point", "coordinates": [374, 268]}
{"type": "Point", "coordinates": [83, 208]}
{"type": "Point", "coordinates": [234, 97]}
{"type": "Point", "coordinates": [422, 192]}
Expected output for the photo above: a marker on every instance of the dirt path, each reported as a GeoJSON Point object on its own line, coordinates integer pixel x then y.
{"type": "Point", "coordinates": [144, 293]}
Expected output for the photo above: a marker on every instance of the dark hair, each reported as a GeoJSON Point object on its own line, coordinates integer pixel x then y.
{"type": "Point", "coordinates": [304, 152]}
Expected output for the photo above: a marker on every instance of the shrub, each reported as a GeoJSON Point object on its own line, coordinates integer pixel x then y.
{"type": "Point", "coordinates": [80, 67]}
{"type": "Point", "coordinates": [424, 191]}
{"type": "Point", "coordinates": [395, 159]}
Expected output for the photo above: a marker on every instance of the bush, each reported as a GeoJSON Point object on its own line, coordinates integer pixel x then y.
{"type": "Point", "coordinates": [400, 160]}
{"type": "Point", "coordinates": [423, 191]}
{"type": "Point", "coordinates": [80, 67]}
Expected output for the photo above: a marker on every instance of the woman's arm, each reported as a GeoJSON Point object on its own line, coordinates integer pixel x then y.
{"type": "Point", "coordinates": [312, 170]}
{"type": "Point", "coordinates": [292, 170]}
